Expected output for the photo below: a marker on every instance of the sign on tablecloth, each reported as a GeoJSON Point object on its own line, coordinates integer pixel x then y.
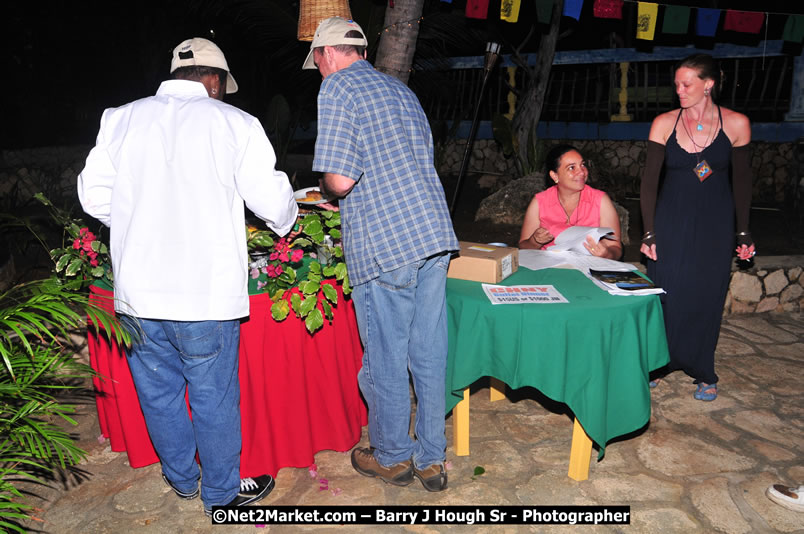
{"type": "Point", "coordinates": [538, 294]}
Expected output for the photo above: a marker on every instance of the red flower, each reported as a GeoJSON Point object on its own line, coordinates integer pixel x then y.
{"type": "Point", "coordinates": [297, 255]}
{"type": "Point", "coordinates": [93, 262]}
{"type": "Point", "coordinates": [77, 244]}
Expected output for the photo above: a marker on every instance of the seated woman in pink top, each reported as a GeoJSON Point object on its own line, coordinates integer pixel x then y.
{"type": "Point", "coordinates": [570, 202]}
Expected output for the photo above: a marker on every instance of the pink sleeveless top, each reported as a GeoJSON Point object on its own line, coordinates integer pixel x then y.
{"type": "Point", "coordinates": [554, 219]}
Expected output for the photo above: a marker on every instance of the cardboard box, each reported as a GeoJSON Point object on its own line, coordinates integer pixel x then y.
{"type": "Point", "coordinates": [483, 263]}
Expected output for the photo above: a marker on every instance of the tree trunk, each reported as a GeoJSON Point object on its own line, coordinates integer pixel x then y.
{"type": "Point", "coordinates": [529, 108]}
{"type": "Point", "coordinates": [398, 39]}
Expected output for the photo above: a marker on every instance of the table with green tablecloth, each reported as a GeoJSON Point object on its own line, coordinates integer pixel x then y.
{"type": "Point", "coordinates": [593, 354]}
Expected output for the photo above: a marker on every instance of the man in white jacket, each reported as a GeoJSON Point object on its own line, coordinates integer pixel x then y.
{"type": "Point", "coordinates": [169, 175]}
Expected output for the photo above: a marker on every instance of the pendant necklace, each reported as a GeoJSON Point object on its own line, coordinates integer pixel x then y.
{"type": "Point", "coordinates": [699, 126]}
{"type": "Point", "coordinates": [564, 208]}
{"type": "Point", "coordinates": [702, 170]}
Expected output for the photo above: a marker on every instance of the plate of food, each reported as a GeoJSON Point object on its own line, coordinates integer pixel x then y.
{"type": "Point", "coordinates": [310, 196]}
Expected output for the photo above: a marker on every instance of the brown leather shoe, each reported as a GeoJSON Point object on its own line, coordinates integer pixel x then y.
{"type": "Point", "coordinates": [366, 464]}
{"type": "Point", "coordinates": [434, 478]}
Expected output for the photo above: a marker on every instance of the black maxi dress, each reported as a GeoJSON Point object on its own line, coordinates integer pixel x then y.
{"type": "Point", "coordinates": [694, 240]}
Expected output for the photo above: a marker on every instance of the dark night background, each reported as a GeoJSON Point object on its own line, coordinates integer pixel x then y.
{"type": "Point", "coordinates": [67, 61]}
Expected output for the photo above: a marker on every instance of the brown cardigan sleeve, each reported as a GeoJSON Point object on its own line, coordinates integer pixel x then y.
{"type": "Point", "coordinates": [649, 188]}
{"type": "Point", "coordinates": [741, 178]}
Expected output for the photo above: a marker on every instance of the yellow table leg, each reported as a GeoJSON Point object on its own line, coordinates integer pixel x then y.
{"type": "Point", "coordinates": [579, 453]}
{"type": "Point", "coordinates": [460, 426]}
{"type": "Point", "coordinates": [497, 389]}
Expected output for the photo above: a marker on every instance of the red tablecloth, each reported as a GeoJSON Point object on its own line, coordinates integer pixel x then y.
{"type": "Point", "coordinates": [119, 413]}
{"type": "Point", "coordinates": [298, 392]}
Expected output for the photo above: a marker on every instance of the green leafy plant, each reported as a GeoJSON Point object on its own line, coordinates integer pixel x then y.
{"type": "Point", "coordinates": [479, 470]}
{"type": "Point", "coordinates": [82, 256]}
{"type": "Point", "coordinates": [528, 159]}
{"type": "Point", "coordinates": [37, 320]}
{"type": "Point", "coordinates": [39, 373]}
{"type": "Point", "coordinates": [303, 263]}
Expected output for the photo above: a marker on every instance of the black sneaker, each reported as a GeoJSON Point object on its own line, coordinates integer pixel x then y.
{"type": "Point", "coordinates": [251, 490]}
{"type": "Point", "coordinates": [182, 494]}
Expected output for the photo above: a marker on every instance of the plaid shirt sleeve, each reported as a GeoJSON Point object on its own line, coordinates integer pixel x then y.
{"type": "Point", "coordinates": [337, 147]}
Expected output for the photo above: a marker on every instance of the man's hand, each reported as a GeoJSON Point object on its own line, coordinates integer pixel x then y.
{"type": "Point", "coordinates": [328, 206]}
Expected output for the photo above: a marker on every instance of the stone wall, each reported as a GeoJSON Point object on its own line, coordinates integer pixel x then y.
{"type": "Point", "coordinates": [773, 284]}
{"type": "Point", "coordinates": [616, 166]}
{"type": "Point", "coordinates": [50, 170]}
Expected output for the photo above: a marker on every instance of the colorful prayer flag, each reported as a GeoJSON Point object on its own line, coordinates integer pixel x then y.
{"type": "Point", "coordinates": [608, 9]}
{"type": "Point", "coordinates": [743, 21]}
{"type": "Point", "coordinates": [646, 20]}
{"type": "Point", "coordinates": [676, 19]}
{"type": "Point", "coordinates": [794, 29]}
{"type": "Point", "coordinates": [477, 9]}
{"type": "Point", "coordinates": [706, 23]}
{"type": "Point", "coordinates": [572, 8]}
{"type": "Point", "coordinates": [509, 10]}
{"type": "Point", "coordinates": [544, 11]}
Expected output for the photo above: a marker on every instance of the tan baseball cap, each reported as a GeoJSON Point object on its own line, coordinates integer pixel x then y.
{"type": "Point", "coordinates": [202, 53]}
{"type": "Point", "coordinates": [332, 32]}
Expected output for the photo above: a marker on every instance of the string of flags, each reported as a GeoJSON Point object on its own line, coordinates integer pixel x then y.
{"type": "Point", "coordinates": [675, 19]}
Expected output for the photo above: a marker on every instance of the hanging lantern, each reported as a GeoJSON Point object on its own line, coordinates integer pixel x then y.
{"type": "Point", "coordinates": [312, 12]}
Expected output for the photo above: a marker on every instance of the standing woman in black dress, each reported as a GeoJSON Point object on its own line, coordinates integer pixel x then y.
{"type": "Point", "coordinates": [689, 219]}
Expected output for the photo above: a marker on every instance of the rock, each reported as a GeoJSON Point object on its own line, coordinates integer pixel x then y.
{"type": "Point", "coordinates": [767, 304]}
{"type": "Point", "coordinates": [792, 275]}
{"type": "Point", "coordinates": [508, 205]}
{"type": "Point", "coordinates": [712, 499]}
{"type": "Point", "coordinates": [745, 288]}
{"type": "Point", "coordinates": [741, 307]}
{"type": "Point", "coordinates": [775, 282]}
{"type": "Point", "coordinates": [791, 293]}
{"type": "Point", "coordinates": [622, 213]}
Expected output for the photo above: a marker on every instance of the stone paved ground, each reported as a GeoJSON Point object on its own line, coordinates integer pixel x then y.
{"type": "Point", "coordinates": [696, 466]}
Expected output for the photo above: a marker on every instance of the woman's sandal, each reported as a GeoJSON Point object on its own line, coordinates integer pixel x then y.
{"type": "Point", "coordinates": [702, 389]}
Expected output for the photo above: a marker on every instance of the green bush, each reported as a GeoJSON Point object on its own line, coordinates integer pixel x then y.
{"type": "Point", "coordinates": [38, 371]}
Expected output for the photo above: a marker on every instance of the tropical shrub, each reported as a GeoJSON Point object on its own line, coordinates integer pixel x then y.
{"type": "Point", "coordinates": [38, 371]}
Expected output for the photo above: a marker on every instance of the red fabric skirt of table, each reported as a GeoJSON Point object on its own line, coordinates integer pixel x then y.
{"type": "Point", "coordinates": [298, 392]}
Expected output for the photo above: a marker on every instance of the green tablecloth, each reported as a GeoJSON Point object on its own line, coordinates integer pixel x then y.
{"type": "Point", "coordinates": [593, 353]}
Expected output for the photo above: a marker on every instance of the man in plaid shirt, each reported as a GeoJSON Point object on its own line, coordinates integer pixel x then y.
{"type": "Point", "coordinates": [375, 149]}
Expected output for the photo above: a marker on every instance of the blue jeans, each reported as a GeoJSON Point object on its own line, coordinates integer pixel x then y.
{"type": "Point", "coordinates": [402, 318]}
{"type": "Point", "coordinates": [201, 356]}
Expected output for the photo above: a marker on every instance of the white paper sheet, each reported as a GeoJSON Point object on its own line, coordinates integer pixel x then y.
{"type": "Point", "coordinates": [574, 237]}
{"type": "Point", "coordinates": [545, 259]}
